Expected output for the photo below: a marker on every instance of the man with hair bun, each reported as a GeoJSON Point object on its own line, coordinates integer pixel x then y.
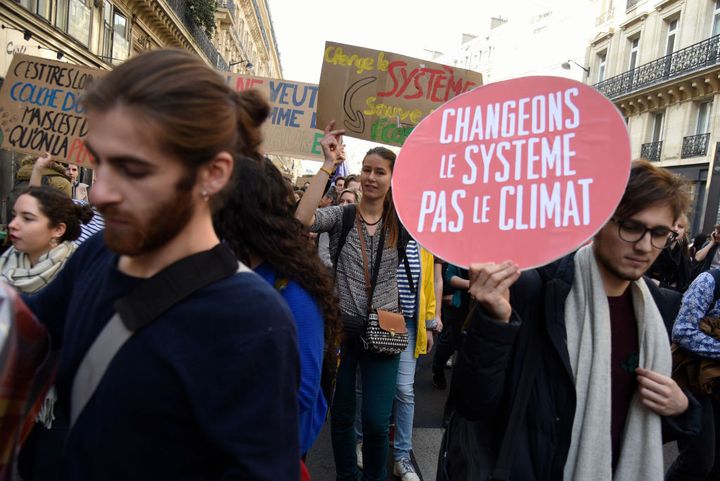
{"type": "Point", "coordinates": [601, 392]}
{"type": "Point", "coordinates": [202, 388]}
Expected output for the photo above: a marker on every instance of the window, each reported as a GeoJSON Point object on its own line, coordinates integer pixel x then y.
{"type": "Point", "coordinates": [657, 132]}
{"type": "Point", "coordinates": [81, 14]}
{"type": "Point", "coordinates": [671, 35]}
{"type": "Point", "coordinates": [602, 63]}
{"type": "Point", "coordinates": [716, 20]}
{"type": "Point", "coordinates": [703, 119]}
{"type": "Point", "coordinates": [116, 46]}
{"type": "Point", "coordinates": [634, 51]}
{"type": "Point", "coordinates": [39, 7]}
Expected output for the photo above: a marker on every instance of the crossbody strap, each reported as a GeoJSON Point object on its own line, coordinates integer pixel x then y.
{"type": "Point", "coordinates": [370, 284]}
{"type": "Point", "coordinates": [366, 270]}
{"type": "Point", "coordinates": [147, 301]}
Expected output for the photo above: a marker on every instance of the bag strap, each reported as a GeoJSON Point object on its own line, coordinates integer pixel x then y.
{"type": "Point", "coordinates": [530, 364]}
{"type": "Point", "coordinates": [370, 284]}
{"type": "Point", "coordinates": [145, 303]}
{"type": "Point", "coordinates": [363, 250]}
{"type": "Point", "coordinates": [348, 216]}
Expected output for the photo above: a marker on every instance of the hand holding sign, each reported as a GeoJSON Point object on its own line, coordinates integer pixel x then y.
{"type": "Point", "coordinates": [527, 169]}
{"type": "Point", "coordinates": [490, 286]}
{"type": "Point", "coordinates": [331, 146]}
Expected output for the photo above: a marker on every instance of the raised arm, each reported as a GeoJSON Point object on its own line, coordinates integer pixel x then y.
{"type": "Point", "coordinates": [330, 144]}
{"type": "Point", "coordinates": [37, 172]}
{"type": "Point", "coordinates": [701, 254]}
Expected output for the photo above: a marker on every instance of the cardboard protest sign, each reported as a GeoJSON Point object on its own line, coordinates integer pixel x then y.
{"type": "Point", "coordinates": [290, 129]}
{"type": "Point", "coordinates": [40, 108]}
{"type": "Point", "coordinates": [525, 170]}
{"type": "Point", "coordinates": [381, 96]}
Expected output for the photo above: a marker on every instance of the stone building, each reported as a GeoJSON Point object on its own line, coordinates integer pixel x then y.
{"type": "Point", "coordinates": [659, 62]}
{"type": "Point", "coordinates": [104, 33]}
{"type": "Point", "coordinates": [246, 37]}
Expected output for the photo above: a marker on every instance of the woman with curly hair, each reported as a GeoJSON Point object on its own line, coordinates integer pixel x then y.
{"type": "Point", "coordinates": [45, 222]}
{"type": "Point", "coordinates": [258, 223]}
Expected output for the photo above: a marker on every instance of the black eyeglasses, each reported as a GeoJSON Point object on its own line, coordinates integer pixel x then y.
{"type": "Point", "coordinates": [633, 231]}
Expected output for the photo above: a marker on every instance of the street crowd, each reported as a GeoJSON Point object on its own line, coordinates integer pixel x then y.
{"type": "Point", "coordinates": [206, 318]}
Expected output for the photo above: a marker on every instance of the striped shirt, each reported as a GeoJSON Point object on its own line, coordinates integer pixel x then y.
{"type": "Point", "coordinates": [96, 224]}
{"type": "Point", "coordinates": [408, 298]}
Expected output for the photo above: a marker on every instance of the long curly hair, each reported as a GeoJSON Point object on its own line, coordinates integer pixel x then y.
{"type": "Point", "coordinates": [258, 220]}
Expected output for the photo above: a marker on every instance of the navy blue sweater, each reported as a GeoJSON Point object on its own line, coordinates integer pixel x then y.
{"type": "Point", "coordinates": [206, 391]}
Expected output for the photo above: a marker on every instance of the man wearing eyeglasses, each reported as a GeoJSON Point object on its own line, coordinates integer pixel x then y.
{"type": "Point", "coordinates": [601, 392]}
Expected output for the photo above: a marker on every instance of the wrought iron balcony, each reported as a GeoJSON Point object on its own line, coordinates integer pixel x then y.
{"type": "Point", "coordinates": [179, 6]}
{"type": "Point", "coordinates": [651, 151]}
{"type": "Point", "coordinates": [695, 145]}
{"type": "Point", "coordinates": [689, 59]}
{"type": "Point", "coordinates": [631, 4]}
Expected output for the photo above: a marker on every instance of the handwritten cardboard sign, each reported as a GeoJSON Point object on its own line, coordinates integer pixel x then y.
{"type": "Point", "coordinates": [381, 96]}
{"type": "Point", "coordinates": [40, 108]}
{"type": "Point", "coordinates": [524, 170]}
{"type": "Point", "coordinates": [290, 129]}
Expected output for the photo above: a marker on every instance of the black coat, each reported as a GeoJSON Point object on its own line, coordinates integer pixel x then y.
{"type": "Point", "coordinates": [486, 375]}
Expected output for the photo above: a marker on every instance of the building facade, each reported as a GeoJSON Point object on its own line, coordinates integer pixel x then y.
{"type": "Point", "coordinates": [246, 37]}
{"type": "Point", "coordinates": [659, 62]}
{"type": "Point", "coordinates": [529, 37]}
{"type": "Point", "coordinates": [104, 33]}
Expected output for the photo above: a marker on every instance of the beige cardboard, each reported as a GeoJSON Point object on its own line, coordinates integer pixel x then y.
{"type": "Point", "coordinates": [381, 96]}
{"type": "Point", "coordinates": [290, 128]}
{"type": "Point", "coordinates": [40, 108]}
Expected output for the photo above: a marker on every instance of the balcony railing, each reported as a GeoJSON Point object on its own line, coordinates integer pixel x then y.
{"type": "Point", "coordinates": [695, 146]}
{"type": "Point", "coordinates": [631, 4]}
{"type": "Point", "coordinates": [651, 150]}
{"type": "Point", "coordinates": [689, 59]}
{"type": "Point", "coordinates": [200, 36]}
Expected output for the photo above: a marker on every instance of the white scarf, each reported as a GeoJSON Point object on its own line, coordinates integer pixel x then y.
{"type": "Point", "coordinates": [587, 320]}
{"type": "Point", "coordinates": [15, 267]}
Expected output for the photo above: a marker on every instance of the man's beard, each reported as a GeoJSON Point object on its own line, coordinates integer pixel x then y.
{"type": "Point", "coordinates": [163, 224]}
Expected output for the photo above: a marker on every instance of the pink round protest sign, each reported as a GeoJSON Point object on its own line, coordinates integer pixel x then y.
{"type": "Point", "coordinates": [525, 170]}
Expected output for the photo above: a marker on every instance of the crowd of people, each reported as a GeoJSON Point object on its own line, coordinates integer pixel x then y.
{"type": "Point", "coordinates": [207, 317]}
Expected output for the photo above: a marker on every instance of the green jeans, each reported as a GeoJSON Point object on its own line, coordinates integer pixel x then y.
{"type": "Point", "coordinates": [379, 375]}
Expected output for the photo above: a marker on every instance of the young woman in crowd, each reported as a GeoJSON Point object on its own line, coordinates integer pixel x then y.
{"type": "Point", "coordinates": [672, 268]}
{"type": "Point", "coordinates": [376, 221]}
{"type": "Point", "coordinates": [258, 223]}
{"type": "Point", "coordinates": [45, 223]}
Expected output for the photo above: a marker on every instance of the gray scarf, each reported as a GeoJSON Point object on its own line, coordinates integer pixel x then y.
{"type": "Point", "coordinates": [587, 320]}
{"type": "Point", "coordinates": [16, 270]}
